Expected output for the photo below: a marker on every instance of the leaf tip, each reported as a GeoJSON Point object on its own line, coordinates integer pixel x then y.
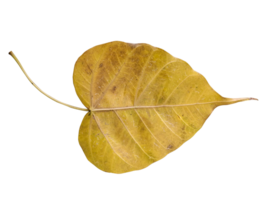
{"type": "Point", "coordinates": [254, 99]}
{"type": "Point", "coordinates": [10, 53]}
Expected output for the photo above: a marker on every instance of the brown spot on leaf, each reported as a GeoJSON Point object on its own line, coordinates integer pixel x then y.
{"type": "Point", "coordinates": [170, 146]}
{"type": "Point", "coordinates": [87, 67]}
{"type": "Point", "coordinates": [114, 89]}
{"type": "Point", "coordinates": [100, 65]}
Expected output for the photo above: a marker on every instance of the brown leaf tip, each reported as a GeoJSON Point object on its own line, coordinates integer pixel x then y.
{"type": "Point", "coordinates": [10, 53]}
{"type": "Point", "coordinates": [254, 99]}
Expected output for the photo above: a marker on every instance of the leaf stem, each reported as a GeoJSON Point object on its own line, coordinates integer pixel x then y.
{"type": "Point", "coordinates": [40, 90]}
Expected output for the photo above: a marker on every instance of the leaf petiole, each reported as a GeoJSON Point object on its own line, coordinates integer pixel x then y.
{"type": "Point", "coordinates": [40, 90]}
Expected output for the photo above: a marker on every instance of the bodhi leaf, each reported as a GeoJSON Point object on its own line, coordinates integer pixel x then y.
{"type": "Point", "coordinates": [144, 103]}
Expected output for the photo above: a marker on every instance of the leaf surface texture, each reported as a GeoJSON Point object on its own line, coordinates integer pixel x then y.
{"type": "Point", "coordinates": [144, 104]}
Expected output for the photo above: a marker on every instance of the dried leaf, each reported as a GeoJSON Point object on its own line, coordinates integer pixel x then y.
{"type": "Point", "coordinates": [144, 104]}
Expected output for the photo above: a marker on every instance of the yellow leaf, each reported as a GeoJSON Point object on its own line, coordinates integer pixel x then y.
{"type": "Point", "coordinates": [144, 103]}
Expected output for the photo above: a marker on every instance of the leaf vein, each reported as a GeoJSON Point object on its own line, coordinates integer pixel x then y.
{"type": "Point", "coordinates": [198, 101]}
{"type": "Point", "coordinates": [90, 142]}
{"type": "Point", "coordinates": [154, 78]}
{"type": "Point", "coordinates": [182, 119]}
{"type": "Point", "coordinates": [142, 74]}
{"type": "Point", "coordinates": [177, 87]}
{"type": "Point", "coordinates": [92, 79]}
{"type": "Point", "coordinates": [159, 106]}
{"type": "Point", "coordinates": [103, 94]}
{"type": "Point", "coordinates": [166, 124]}
{"type": "Point", "coordinates": [149, 129]}
{"type": "Point", "coordinates": [192, 114]}
{"type": "Point", "coordinates": [132, 136]}
{"type": "Point", "coordinates": [96, 120]}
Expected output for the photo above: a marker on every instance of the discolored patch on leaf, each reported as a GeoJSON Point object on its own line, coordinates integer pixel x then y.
{"type": "Point", "coordinates": [114, 89]}
{"type": "Point", "coordinates": [170, 146]}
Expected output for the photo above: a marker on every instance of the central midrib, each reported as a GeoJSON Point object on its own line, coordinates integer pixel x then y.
{"type": "Point", "coordinates": [161, 106]}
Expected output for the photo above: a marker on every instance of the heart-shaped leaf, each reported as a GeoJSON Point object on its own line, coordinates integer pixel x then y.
{"type": "Point", "coordinates": [144, 103]}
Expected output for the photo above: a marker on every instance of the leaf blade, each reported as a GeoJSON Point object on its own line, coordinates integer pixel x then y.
{"type": "Point", "coordinates": [144, 102]}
